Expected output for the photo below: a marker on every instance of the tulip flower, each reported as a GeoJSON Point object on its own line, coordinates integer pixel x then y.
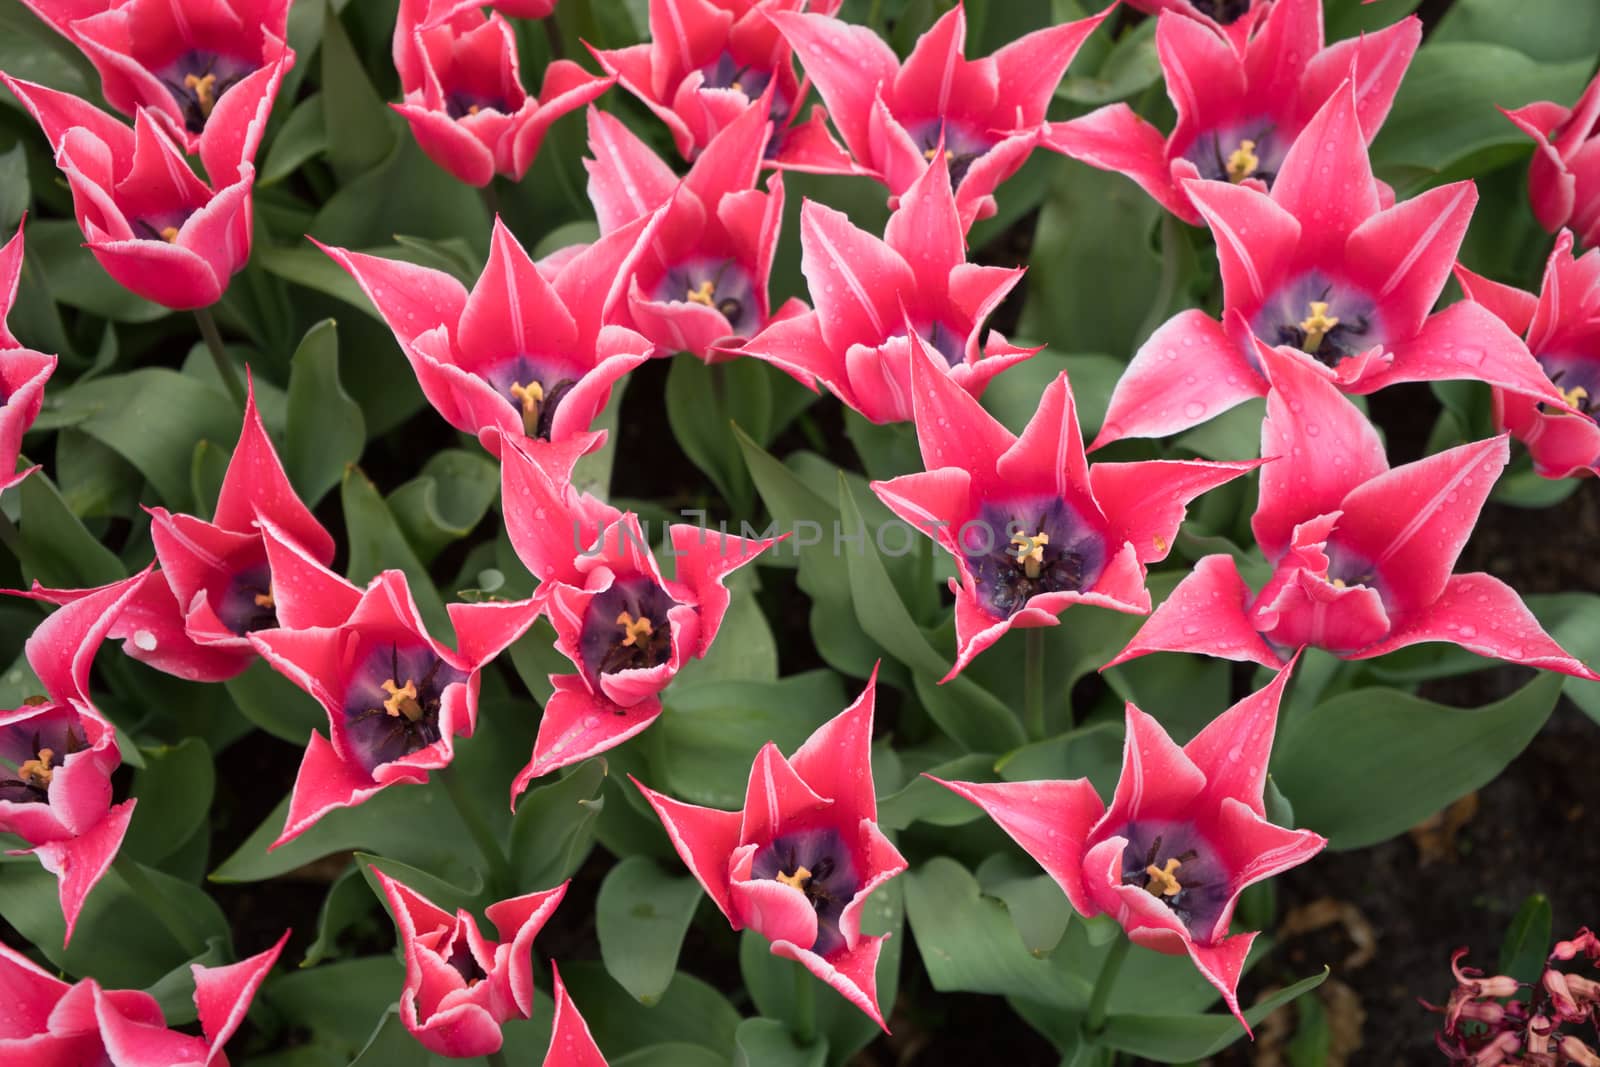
{"type": "Point", "coordinates": [708, 61]}
{"type": "Point", "coordinates": [984, 115]}
{"type": "Point", "coordinates": [1564, 177]}
{"type": "Point", "coordinates": [460, 987]}
{"type": "Point", "coordinates": [396, 698]}
{"type": "Point", "coordinates": [1033, 528]}
{"type": "Point", "coordinates": [520, 354]}
{"type": "Point", "coordinates": [23, 372]}
{"type": "Point", "coordinates": [206, 70]}
{"type": "Point", "coordinates": [701, 281]}
{"type": "Point", "coordinates": [57, 753]}
{"type": "Point", "coordinates": [1239, 111]}
{"type": "Point", "coordinates": [1185, 834]}
{"type": "Point", "coordinates": [1562, 327]}
{"type": "Point", "coordinates": [155, 227]}
{"type": "Point", "coordinates": [798, 864]}
{"type": "Point", "coordinates": [571, 1043]}
{"type": "Point", "coordinates": [871, 295]}
{"type": "Point", "coordinates": [1362, 554]}
{"type": "Point", "coordinates": [1232, 19]}
{"type": "Point", "coordinates": [627, 629]}
{"type": "Point", "coordinates": [463, 94]}
{"type": "Point", "coordinates": [1319, 271]}
{"type": "Point", "coordinates": [56, 1024]}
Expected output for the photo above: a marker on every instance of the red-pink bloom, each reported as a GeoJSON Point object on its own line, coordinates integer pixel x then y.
{"type": "Point", "coordinates": [798, 864]}
{"type": "Point", "coordinates": [1320, 272]}
{"type": "Point", "coordinates": [1185, 834]}
{"type": "Point", "coordinates": [463, 90]}
{"type": "Point", "coordinates": [396, 698]}
{"type": "Point", "coordinates": [523, 9]}
{"type": "Point", "coordinates": [460, 986]}
{"type": "Point", "coordinates": [52, 1023]}
{"type": "Point", "coordinates": [701, 279]}
{"type": "Point", "coordinates": [985, 115]}
{"type": "Point", "coordinates": [871, 295]}
{"type": "Point", "coordinates": [1362, 554]}
{"type": "Point", "coordinates": [1232, 19]}
{"type": "Point", "coordinates": [1239, 111]}
{"type": "Point", "coordinates": [1564, 177]}
{"type": "Point", "coordinates": [625, 627]}
{"type": "Point", "coordinates": [204, 69]}
{"type": "Point", "coordinates": [155, 227]}
{"type": "Point", "coordinates": [57, 753]}
{"type": "Point", "coordinates": [23, 372]}
{"type": "Point", "coordinates": [708, 61]}
{"type": "Point", "coordinates": [520, 355]}
{"type": "Point", "coordinates": [1562, 327]}
{"type": "Point", "coordinates": [1033, 528]}
{"type": "Point", "coordinates": [571, 1043]}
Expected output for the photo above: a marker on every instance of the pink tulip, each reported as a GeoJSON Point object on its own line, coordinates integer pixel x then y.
{"type": "Point", "coordinates": [1564, 177]}
{"type": "Point", "coordinates": [23, 372]}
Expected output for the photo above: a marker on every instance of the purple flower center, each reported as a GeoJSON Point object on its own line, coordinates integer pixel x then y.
{"type": "Point", "coordinates": [161, 227]}
{"type": "Point", "coordinates": [1223, 11]}
{"type": "Point", "coordinates": [725, 72]}
{"type": "Point", "coordinates": [948, 342]}
{"type": "Point", "coordinates": [197, 79]}
{"type": "Point", "coordinates": [1017, 551]}
{"type": "Point", "coordinates": [1577, 376]}
{"type": "Point", "coordinates": [28, 782]}
{"type": "Point", "coordinates": [1248, 149]}
{"type": "Point", "coordinates": [246, 605]}
{"type": "Point", "coordinates": [459, 105]}
{"type": "Point", "coordinates": [719, 284]}
{"type": "Point", "coordinates": [817, 863]}
{"type": "Point", "coordinates": [464, 962]}
{"type": "Point", "coordinates": [392, 705]}
{"type": "Point", "coordinates": [626, 628]}
{"type": "Point", "coordinates": [963, 145]}
{"type": "Point", "coordinates": [1178, 867]}
{"type": "Point", "coordinates": [532, 390]}
{"type": "Point", "coordinates": [1327, 320]}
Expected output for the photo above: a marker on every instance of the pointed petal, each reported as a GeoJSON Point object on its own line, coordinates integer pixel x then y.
{"type": "Point", "coordinates": [487, 628]}
{"type": "Point", "coordinates": [1465, 341]}
{"type": "Point", "coordinates": [853, 974]}
{"type": "Point", "coordinates": [854, 278]}
{"type": "Point", "coordinates": [1188, 371]}
{"type": "Point", "coordinates": [1114, 138]}
{"type": "Point", "coordinates": [1326, 179]}
{"type": "Point", "coordinates": [223, 995]}
{"type": "Point", "coordinates": [846, 63]}
{"type": "Point", "coordinates": [1403, 256]}
{"type": "Point", "coordinates": [953, 429]}
{"type": "Point", "coordinates": [61, 649]}
{"type": "Point", "coordinates": [571, 1043]}
{"type": "Point", "coordinates": [1029, 68]}
{"type": "Point", "coordinates": [1258, 239]}
{"type": "Point", "coordinates": [1049, 456]}
{"type": "Point", "coordinates": [578, 724]}
{"type": "Point", "coordinates": [776, 911]}
{"type": "Point", "coordinates": [1221, 965]}
{"type": "Point", "coordinates": [1158, 780]}
{"type": "Point", "coordinates": [256, 485]}
{"type": "Point", "coordinates": [1233, 749]}
{"type": "Point", "coordinates": [305, 593]}
{"type": "Point", "coordinates": [926, 228]}
{"type": "Point", "coordinates": [411, 299]}
{"type": "Point", "coordinates": [1206, 613]}
{"type": "Point", "coordinates": [626, 179]}
{"type": "Point", "coordinates": [80, 862]}
{"type": "Point", "coordinates": [929, 500]}
{"type": "Point", "coordinates": [776, 796]}
{"type": "Point", "coordinates": [512, 310]}
{"type": "Point", "coordinates": [1482, 614]}
{"type": "Point", "coordinates": [325, 782]}
{"type": "Point", "coordinates": [1145, 503]}
{"type": "Point", "coordinates": [836, 760]}
{"type": "Point", "coordinates": [705, 838]}
{"type": "Point", "coordinates": [518, 921]}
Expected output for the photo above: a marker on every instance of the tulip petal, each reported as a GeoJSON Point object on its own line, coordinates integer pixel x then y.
{"type": "Point", "coordinates": [1206, 614]}
{"type": "Point", "coordinates": [836, 760]}
{"type": "Point", "coordinates": [223, 995]}
{"type": "Point", "coordinates": [326, 781]}
{"type": "Point", "coordinates": [255, 485]}
{"type": "Point", "coordinates": [1158, 780]}
{"type": "Point", "coordinates": [1326, 179]}
{"type": "Point", "coordinates": [1114, 138]}
{"type": "Point", "coordinates": [853, 974]}
{"type": "Point", "coordinates": [1145, 503]}
{"type": "Point", "coordinates": [1465, 341]}
{"type": "Point", "coordinates": [1232, 750]}
{"type": "Point", "coordinates": [847, 63]}
{"type": "Point", "coordinates": [578, 724]}
{"type": "Point", "coordinates": [705, 838]}
{"type": "Point", "coordinates": [571, 1043]}
{"type": "Point", "coordinates": [80, 862]}
{"type": "Point", "coordinates": [1403, 256]}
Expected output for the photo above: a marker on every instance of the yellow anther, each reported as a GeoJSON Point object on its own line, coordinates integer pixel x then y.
{"type": "Point", "coordinates": [35, 700]}
{"type": "Point", "coordinates": [1243, 162]}
{"type": "Point", "coordinates": [169, 234]}
{"type": "Point", "coordinates": [797, 880]}
{"type": "Point", "coordinates": [473, 109]}
{"type": "Point", "coordinates": [1163, 880]}
{"type": "Point", "coordinates": [1338, 583]}
{"type": "Point", "coordinates": [1030, 551]}
{"type": "Point", "coordinates": [1316, 326]}
{"type": "Point", "coordinates": [204, 89]}
{"type": "Point", "coordinates": [531, 397]}
{"type": "Point", "coordinates": [1161, 543]}
{"type": "Point", "coordinates": [638, 630]}
{"type": "Point", "coordinates": [704, 293]}
{"type": "Point", "coordinates": [264, 600]}
{"type": "Point", "coordinates": [928, 154]}
{"type": "Point", "coordinates": [1574, 395]}
{"type": "Point", "coordinates": [37, 772]}
{"type": "Point", "coordinates": [402, 700]}
{"type": "Point", "coordinates": [737, 87]}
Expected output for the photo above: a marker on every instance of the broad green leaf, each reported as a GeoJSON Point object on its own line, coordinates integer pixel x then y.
{"type": "Point", "coordinates": [1551, 31]}
{"type": "Point", "coordinates": [1412, 757]}
{"type": "Point", "coordinates": [1528, 941]}
{"type": "Point", "coordinates": [73, 276]}
{"type": "Point", "coordinates": [13, 187]}
{"type": "Point", "coordinates": [325, 430]}
{"type": "Point", "coordinates": [1038, 907]}
{"type": "Point", "coordinates": [303, 137]}
{"type": "Point", "coordinates": [174, 790]}
{"type": "Point", "coordinates": [99, 483]}
{"type": "Point", "coordinates": [922, 800]}
{"type": "Point", "coordinates": [207, 471]}
{"type": "Point", "coordinates": [446, 501]}
{"type": "Point", "coordinates": [349, 902]}
{"type": "Point", "coordinates": [701, 401]}
{"type": "Point", "coordinates": [768, 1043]}
{"type": "Point", "coordinates": [1129, 67]}
{"type": "Point", "coordinates": [446, 895]}
{"type": "Point", "coordinates": [174, 991]}
{"type": "Point", "coordinates": [340, 1002]}
{"type": "Point", "coordinates": [54, 547]}
{"type": "Point", "coordinates": [360, 129]}
{"type": "Point", "coordinates": [554, 826]}
{"type": "Point", "coordinates": [641, 917]}
{"type": "Point", "coordinates": [276, 704]}
{"type": "Point", "coordinates": [748, 651]}
{"type": "Point", "coordinates": [377, 544]}
{"type": "Point", "coordinates": [31, 50]}
{"type": "Point", "coordinates": [1181, 1038]}
{"type": "Point", "coordinates": [1013, 397]}
{"type": "Point", "coordinates": [691, 1012]}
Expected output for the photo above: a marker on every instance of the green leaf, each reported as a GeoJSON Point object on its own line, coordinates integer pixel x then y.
{"type": "Point", "coordinates": [691, 1012]}
{"type": "Point", "coordinates": [174, 991]}
{"type": "Point", "coordinates": [1412, 757]}
{"type": "Point", "coordinates": [446, 895]}
{"type": "Point", "coordinates": [207, 471]}
{"type": "Point", "coordinates": [1551, 31]}
{"type": "Point", "coordinates": [751, 654]}
{"type": "Point", "coordinates": [641, 917]}
{"type": "Point", "coordinates": [1013, 397]}
{"type": "Point", "coordinates": [325, 429]}
{"type": "Point", "coordinates": [446, 501]}
{"type": "Point", "coordinates": [922, 800]}
{"type": "Point", "coordinates": [174, 790]}
{"type": "Point", "coordinates": [768, 1043]}
{"type": "Point", "coordinates": [53, 545]}
{"type": "Point", "coordinates": [350, 901]}
{"type": "Point", "coordinates": [73, 277]}
{"type": "Point", "coordinates": [359, 129]}
{"type": "Point", "coordinates": [554, 826]}
{"type": "Point", "coordinates": [1130, 67]}
{"type": "Point", "coordinates": [31, 50]}
{"type": "Point", "coordinates": [339, 1002]}
{"type": "Point", "coordinates": [13, 187]}
{"type": "Point", "coordinates": [1527, 943]}
{"type": "Point", "coordinates": [303, 137]}
{"type": "Point", "coordinates": [701, 400]}
{"type": "Point", "coordinates": [377, 544]}
{"type": "Point", "coordinates": [275, 704]}
{"type": "Point", "coordinates": [1181, 1038]}
{"type": "Point", "coordinates": [1038, 907]}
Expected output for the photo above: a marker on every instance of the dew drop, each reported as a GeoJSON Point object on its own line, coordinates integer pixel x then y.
{"type": "Point", "coordinates": [144, 640]}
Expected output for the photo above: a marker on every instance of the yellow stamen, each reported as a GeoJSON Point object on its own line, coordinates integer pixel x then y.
{"type": "Point", "coordinates": [1163, 882]}
{"type": "Point", "coordinates": [402, 700]}
{"type": "Point", "coordinates": [1030, 552]}
{"type": "Point", "coordinates": [1161, 543]}
{"type": "Point", "coordinates": [1316, 326]}
{"type": "Point", "coordinates": [473, 109]}
{"type": "Point", "coordinates": [37, 772]}
{"type": "Point", "coordinates": [703, 294]}
{"type": "Point", "coordinates": [638, 630]}
{"type": "Point", "coordinates": [797, 880]}
{"type": "Point", "coordinates": [205, 91]}
{"type": "Point", "coordinates": [737, 87]}
{"type": "Point", "coordinates": [1243, 162]}
{"type": "Point", "coordinates": [928, 154]}
{"type": "Point", "coordinates": [169, 234]}
{"type": "Point", "coordinates": [531, 396]}
{"type": "Point", "coordinates": [1338, 583]}
{"type": "Point", "coordinates": [35, 700]}
{"type": "Point", "coordinates": [264, 600]}
{"type": "Point", "coordinates": [1574, 395]}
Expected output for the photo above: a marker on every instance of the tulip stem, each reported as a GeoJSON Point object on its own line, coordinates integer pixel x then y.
{"type": "Point", "coordinates": [491, 199]}
{"type": "Point", "coordinates": [1033, 684]}
{"type": "Point", "coordinates": [500, 877]}
{"type": "Point", "coordinates": [172, 917]}
{"type": "Point", "coordinates": [552, 33]}
{"type": "Point", "coordinates": [219, 355]}
{"type": "Point", "coordinates": [1096, 1019]}
{"type": "Point", "coordinates": [805, 1006]}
